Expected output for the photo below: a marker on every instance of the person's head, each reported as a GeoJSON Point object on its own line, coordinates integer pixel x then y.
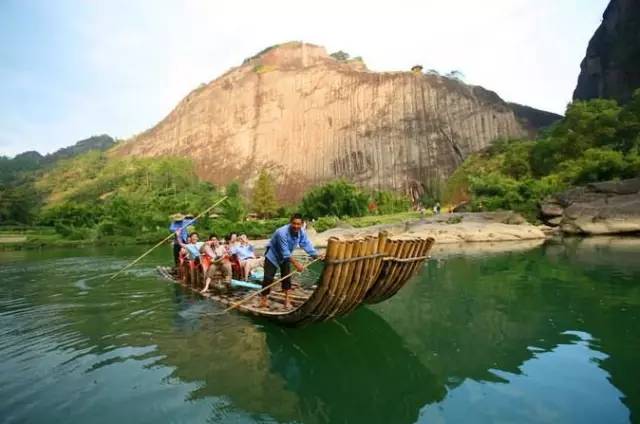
{"type": "Point", "coordinates": [213, 240]}
{"type": "Point", "coordinates": [232, 238]}
{"type": "Point", "coordinates": [296, 222]}
{"type": "Point", "coordinates": [193, 237]}
{"type": "Point", "coordinates": [243, 239]}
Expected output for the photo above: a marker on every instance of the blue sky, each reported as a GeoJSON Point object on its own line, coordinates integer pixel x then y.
{"type": "Point", "coordinates": [72, 69]}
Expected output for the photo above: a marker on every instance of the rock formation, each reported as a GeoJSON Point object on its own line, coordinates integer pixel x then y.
{"type": "Point", "coordinates": [309, 117]}
{"type": "Point", "coordinates": [534, 119]}
{"type": "Point", "coordinates": [611, 68]}
{"type": "Point", "coordinates": [611, 207]}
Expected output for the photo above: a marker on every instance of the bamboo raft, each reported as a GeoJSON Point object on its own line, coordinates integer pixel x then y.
{"type": "Point", "coordinates": [369, 270]}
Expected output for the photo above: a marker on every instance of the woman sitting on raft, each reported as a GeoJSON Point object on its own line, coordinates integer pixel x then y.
{"type": "Point", "coordinates": [246, 256]}
{"type": "Point", "coordinates": [219, 256]}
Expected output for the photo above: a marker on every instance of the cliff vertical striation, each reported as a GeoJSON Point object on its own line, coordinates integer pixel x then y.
{"type": "Point", "coordinates": [308, 118]}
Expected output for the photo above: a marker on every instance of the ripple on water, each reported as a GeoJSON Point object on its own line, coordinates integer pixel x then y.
{"type": "Point", "coordinates": [513, 338]}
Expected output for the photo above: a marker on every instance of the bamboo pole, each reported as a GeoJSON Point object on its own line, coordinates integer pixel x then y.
{"type": "Point", "coordinates": [402, 276]}
{"type": "Point", "coordinates": [325, 307]}
{"type": "Point", "coordinates": [391, 251]}
{"type": "Point", "coordinates": [306, 312]}
{"type": "Point", "coordinates": [332, 284]}
{"type": "Point", "coordinates": [254, 294]}
{"type": "Point", "coordinates": [165, 239]}
{"type": "Point", "coordinates": [405, 252]}
{"type": "Point", "coordinates": [360, 282]}
{"type": "Point", "coordinates": [366, 273]}
{"type": "Point", "coordinates": [350, 281]}
{"type": "Point", "coordinates": [398, 251]}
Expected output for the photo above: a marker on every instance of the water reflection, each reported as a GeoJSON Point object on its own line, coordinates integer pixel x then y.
{"type": "Point", "coordinates": [564, 384]}
{"type": "Point", "coordinates": [546, 334]}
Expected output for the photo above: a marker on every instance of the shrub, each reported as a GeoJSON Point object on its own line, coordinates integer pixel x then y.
{"type": "Point", "coordinates": [391, 202]}
{"type": "Point", "coordinates": [336, 198]}
{"type": "Point", "coordinates": [325, 223]}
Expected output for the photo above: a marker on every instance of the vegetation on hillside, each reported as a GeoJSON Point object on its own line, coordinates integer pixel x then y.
{"type": "Point", "coordinates": [97, 198]}
{"type": "Point", "coordinates": [94, 197]}
{"type": "Point", "coordinates": [598, 140]}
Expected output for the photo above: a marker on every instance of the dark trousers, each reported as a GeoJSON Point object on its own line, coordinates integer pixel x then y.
{"type": "Point", "coordinates": [176, 253]}
{"type": "Point", "coordinates": [270, 272]}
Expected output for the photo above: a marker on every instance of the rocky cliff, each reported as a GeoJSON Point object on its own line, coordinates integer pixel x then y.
{"type": "Point", "coordinates": [611, 68]}
{"type": "Point", "coordinates": [309, 117]}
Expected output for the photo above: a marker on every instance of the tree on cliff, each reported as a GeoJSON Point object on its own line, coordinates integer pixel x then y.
{"type": "Point", "coordinates": [340, 55]}
{"type": "Point", "coordinates": [264, 196]}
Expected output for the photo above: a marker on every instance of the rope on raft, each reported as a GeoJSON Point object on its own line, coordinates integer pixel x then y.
{"type": "Point", "coordinates": [376, 255]}
{"type": "Point", "coordinates": [355, 258]}
{"type": "Point", "coordinates": [417, 258]}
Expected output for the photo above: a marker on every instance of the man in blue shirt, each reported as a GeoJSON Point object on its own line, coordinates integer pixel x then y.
{"type": "Point", "coordinates": [179, 222]}
{"type": "Point", "coordinates": [278, 255]}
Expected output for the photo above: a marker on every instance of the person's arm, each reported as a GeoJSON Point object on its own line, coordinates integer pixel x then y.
{"type": "Point", "coordinates": [207, 251]}
{"type": "Point", "coordinates": [286, 254]}
{"type": "Point", "coordinates": [307, 246]}
{"type": "Point", "coordinates": [179, 237]}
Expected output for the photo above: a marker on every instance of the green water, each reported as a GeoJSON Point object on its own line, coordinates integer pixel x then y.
{"type": "Point", "coordinates": [546, 334]}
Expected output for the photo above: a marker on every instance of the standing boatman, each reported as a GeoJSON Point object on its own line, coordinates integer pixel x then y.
{"type": "Point", "coordinates": [180, 222]}
{"type": "Point", "coordinates": [278, 255]}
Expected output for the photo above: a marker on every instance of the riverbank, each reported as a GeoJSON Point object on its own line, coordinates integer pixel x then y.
{"type": "Point", "coordinates": [452, 228]}
{"type": "Point", "coordinates": [455, 228]}
{"type": "Point", "coordinates": [458, 231]}
{"type": "Point", "coordinates": [33, 237]}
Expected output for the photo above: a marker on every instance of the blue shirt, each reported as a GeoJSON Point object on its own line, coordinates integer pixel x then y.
{"type": "Point", "coordinates": [193, 250]}
{"type": "Point", "coordinates": [283, 242]}
{"type": "Point", "coordinates": [184, 234]}
{"type": "Point", "coordinates": [243, 252]}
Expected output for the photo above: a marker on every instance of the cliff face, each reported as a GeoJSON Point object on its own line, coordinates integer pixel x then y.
{"type": "Point", "coordinates": [308, 118]}
{"type": "Point", "coordinates": [611, 68]}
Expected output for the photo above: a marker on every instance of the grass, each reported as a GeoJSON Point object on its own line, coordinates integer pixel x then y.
{"type": "Point", "coordinates": [40, 237]}
{"type": "Point", "coordinates": [367, 221]}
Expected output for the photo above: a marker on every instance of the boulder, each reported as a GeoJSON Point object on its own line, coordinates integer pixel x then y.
{"type": "Point", "coordinates": [611, 207]}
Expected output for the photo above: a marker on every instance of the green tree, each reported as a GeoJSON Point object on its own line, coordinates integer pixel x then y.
{"type": "Point", "coordinates": [340, 55]}
{"type": "Point", "coordinates": [233, 207]}
{"type": "Point", "coordinates": [337, 198]}
{"type": "Point", "coordinates": [263, 200]}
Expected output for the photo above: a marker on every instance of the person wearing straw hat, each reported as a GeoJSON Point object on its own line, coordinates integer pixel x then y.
{"type": "Point", "coordinates": [179, 222]}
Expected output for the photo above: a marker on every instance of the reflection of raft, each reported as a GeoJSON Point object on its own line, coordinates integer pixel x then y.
{"type": "Point", "coordinates": [363, 270]}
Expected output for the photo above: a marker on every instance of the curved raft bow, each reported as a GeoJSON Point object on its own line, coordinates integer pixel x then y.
{"type": "Point", "coordinates": [356, 271]}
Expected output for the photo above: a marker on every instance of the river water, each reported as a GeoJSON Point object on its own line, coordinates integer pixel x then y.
{"type": "Point", "coordinates": [507, 333]}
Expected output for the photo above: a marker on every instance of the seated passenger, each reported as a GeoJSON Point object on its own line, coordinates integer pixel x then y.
{"type": "Point", "coordinates": [219, 262]}
{"type": "Point", "coordinates": [232, 241]}
{"type": "Point", "coordinates": [192, 247]}
{"type": "Point", "coordinates": [247, 257]}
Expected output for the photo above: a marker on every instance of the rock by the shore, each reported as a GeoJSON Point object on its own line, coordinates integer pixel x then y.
{"type": "Point", "coordinates": [611, 207]}
{"type": "Point", "coordinates": [448, 228]}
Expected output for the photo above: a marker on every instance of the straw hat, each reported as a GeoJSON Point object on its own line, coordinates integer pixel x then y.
{"type": "Point", "coordinates": [177, 217]}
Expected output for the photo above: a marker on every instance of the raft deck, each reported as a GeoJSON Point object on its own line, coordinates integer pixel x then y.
{"type": "Point", "coordinates": [369, 269]}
